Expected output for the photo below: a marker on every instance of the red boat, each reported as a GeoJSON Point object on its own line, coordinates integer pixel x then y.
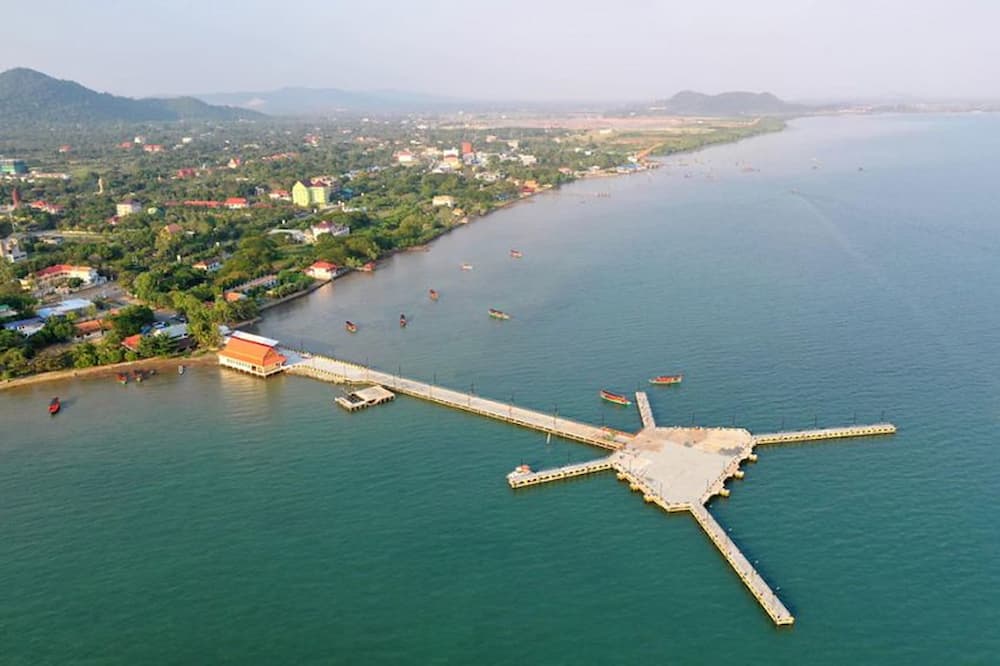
{"type": "Point", "coordinates": [351, 327]}
{"type": "Point", "coordinates": [615, 398]}
{"type": "Point", "coordinates": [54, 406]}
{"type": "Point", "coordinates": [433, 295]}
{"type": "Point", "coordinates": [122, 378]}
{"type": "Point", "coordinates": [402, 321]}
{"type": "Point", "coordinates": [665, 380]}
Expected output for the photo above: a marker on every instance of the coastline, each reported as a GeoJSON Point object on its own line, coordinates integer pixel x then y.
{"type": "Point", "coordinates": [159, 364]}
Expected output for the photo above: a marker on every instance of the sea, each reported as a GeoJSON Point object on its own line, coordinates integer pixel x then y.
{"type": "Point", "coordinates": [845, 270]}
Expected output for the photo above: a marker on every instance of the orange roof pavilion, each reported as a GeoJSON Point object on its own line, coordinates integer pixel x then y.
{"type": "Point", "coordinates": [253, 354]}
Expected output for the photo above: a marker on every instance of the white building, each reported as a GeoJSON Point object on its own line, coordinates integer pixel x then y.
{"type": "Point", "coordinates": [331, 228]}
{"type": "Point", "coordinates": [128, 207]}
{"type": "Point", "coordinates": [11, 250]}
{"type": "Point", "coordinates": [443, 200]}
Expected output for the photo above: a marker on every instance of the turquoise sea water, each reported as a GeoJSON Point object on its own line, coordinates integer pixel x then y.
{"type": "Point", "coordinates": [215, 518]}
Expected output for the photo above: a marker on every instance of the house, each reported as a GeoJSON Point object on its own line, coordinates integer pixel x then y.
{"type": "Point", "coordinates": [234, 163]}
{"type": "Point", "coordinates": [128, 207]}
{"type": "Point", "coordinates": [208, 265]}
{"type": "Point", "coordinates": [90, 329]}
{"type": "Point", "coordinates": [252, 354]}
{"type": "Point", "coordinates": [313, 193]}
{"type": "Point", "coordinates": [443, 200]}
{"type": "Point", "coordinates": [201, 203]}
{"type": "Point", "coordinates": [187, 172]}
{"type": "Point", "coordinates": [6, 312]}
{"type": "Point", "coordinates": [404, 157]}
{"type": "Point", "coordinates": [131, 343]}
{"type": "Point", "coordinates": [279, 195]}
{"type": "Point", "coordinates": [65, 148]}
{"type": "Point", "coordinates": [331, 228]}
{"type": "Point", "coordinates": [236, 203]}
{"type": "Point", "coordinates": [27, 327]}
{"type": "Point", "coordinates": [233, 296]}
{"type": "Point", "coordinates": [528, 160]}
{"type": "Point", "coordinates": [153, 148]}
{"type": "Point", "coordinates": [12, 167]}
{"type": "Point", "coordinates": [172, 229]}
{"type": "Point", "coordinates": [63, 308]}
{"type": "Point", "coordinates": [322, 270]}
{"type": "Point", "coordinates": [52, 209]}
{"type": "Point", "coordinates": [265, 282]}
{"type": "Point", "coordinates": [49, 277]}
{"type": "Point", "coordinates": [11, 250]}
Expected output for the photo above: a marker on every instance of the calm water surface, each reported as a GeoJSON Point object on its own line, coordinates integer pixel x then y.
{"type": "Point", "coordinates": [215, 518]}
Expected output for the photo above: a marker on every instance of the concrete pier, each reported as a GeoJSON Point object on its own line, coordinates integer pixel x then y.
{"type": "Point", "coordinates": [675, 468]}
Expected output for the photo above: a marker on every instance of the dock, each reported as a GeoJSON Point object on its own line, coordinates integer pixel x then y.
{"type": "Point", "coordinates": [343, 372]}
{"type": "Point", "coordinates": [364, 398]}
{"type": "Point", "coordinates": [675, 468]}
{"type": "Point", "coordinates": [872, 430]}
{"type": "Point", "coordinates": [518, 479]}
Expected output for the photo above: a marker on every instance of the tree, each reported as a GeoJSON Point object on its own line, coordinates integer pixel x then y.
{"type": "Point", "coordinates": [84, 355]}
{"type": "Point", "coordinates": [131, 320]}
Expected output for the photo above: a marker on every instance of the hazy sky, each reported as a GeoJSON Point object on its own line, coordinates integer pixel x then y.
{"type": "Point", "coordinates": [514, 49]}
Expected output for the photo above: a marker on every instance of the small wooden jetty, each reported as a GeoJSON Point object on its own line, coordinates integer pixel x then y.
{"type": "Point", "coordinates": [363, 398]}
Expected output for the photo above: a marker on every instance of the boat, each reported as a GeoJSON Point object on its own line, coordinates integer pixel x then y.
{"type": "Point", "coordinates": [180, 369]}
{"type": "Point", "coordinates": [138, 376]}
{"type": "Point", "coordinates": [402, 320]}
{"type": "Point", "coordinates": [615, 398]}
{"type": "Point", "coordinates": [666, 380]}
{"type": "Point", "coordinates": [54, 406]}
{"type": "Point", "coordinates": [122, 378]}
{"type": "Point", "coordinates": [466, 267]}
{"type": "Point", "coordinates": [498, 314]}
{"type": "Point", "coordinates": [351, 327]}
{"type": "Point", "coordinates": [516, 254]}
{"type": "Point", "coordinates": [433, 294]}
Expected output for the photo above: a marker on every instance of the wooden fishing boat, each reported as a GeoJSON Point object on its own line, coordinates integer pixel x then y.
{"type": "Point", "coordinates": [666, 380]}
{"type": "Point", "coordinates": [351, 327]}
{"type": "Point", "coordinates": [615, 398]}
{"type": "Point", "coordinates": [54, 406]}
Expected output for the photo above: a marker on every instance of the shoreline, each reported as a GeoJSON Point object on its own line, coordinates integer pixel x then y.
{"type": "Point", "coordinates": [159, 364]}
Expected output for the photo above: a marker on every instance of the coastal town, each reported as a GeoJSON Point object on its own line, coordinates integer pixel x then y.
{"type": "Point", "coordinates": [200, 229]}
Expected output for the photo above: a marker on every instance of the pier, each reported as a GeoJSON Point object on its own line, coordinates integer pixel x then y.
{"type": "Point", "coordinates": [675, 468]}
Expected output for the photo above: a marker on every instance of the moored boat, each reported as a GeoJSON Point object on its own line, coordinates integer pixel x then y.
{"type": "Point", "coordinates": [433, 294]}
{"type": "Point", "coordinates": [54, 406]}
{"type": "Point", "coordinates": [402, 320]}
{"type": "Point", "coordinates": [180, 369]}
{"type": "Point", "coordinates": [498, 314]}
{"type": "Point", "coordinates": [122, 378]}
{"type": "Point", "coordinates": [615, 398]}
{"type": "Point", "coordinates": [351, 327]}
{"type": "Point", "coordinates": [138, 376]}
{"type": "Point", "coordinates": [666, 380]}
{"type": "Point", "coordinates": [516, 254]}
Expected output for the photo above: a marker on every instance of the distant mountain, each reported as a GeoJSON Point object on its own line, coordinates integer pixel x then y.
{"type": "Point", "coordinates": [318, 101]}
{"type": "Point", "coordinates": [27, 96]}
{"type": "Point", "coordinates": [691, 103]}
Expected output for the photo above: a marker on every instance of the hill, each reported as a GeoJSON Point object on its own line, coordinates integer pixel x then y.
{"type": "Point", "coordinates": [27, 96]}
{"type": "Point", "coordinates": [691, 103]}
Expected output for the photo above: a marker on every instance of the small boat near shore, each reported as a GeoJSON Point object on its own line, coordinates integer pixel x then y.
{"type": "Point", "coordinates": [350, 327]}
{"type": "Point", "coordinates": [516, 254]}
{"type": "Point", "coordinates": [122, 378]}
{"type": "Point", "coordinates": [54, 406]}
{"type": "Point", "coordinates": [615, 398]}
{"type": "Point", "coordinates": [402, 320]}
{"type": "Point", "coordinates": [180, 369]}
{"type": "Point", "coordinates": [433, 295]}
{"type": "Point", "coordinates": [666, 380]}
{"type": "Point", "coordinates": [498, 314]}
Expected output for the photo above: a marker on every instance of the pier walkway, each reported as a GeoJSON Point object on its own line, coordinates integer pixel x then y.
{"type": "Point", "coordinates": [768, 600]}
{"type": "Point", "coordinates": [676, 468]}
{"type": "Point", "coordinates": [825, 433]}
{"type": "Point", "coordinates": [342, 372]}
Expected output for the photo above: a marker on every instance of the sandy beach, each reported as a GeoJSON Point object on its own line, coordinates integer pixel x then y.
{"type": "Point", "coordinates": [158, 364]}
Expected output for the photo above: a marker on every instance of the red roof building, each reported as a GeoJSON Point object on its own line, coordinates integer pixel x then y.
{"type": "Point", "coordinates": [236, 203]}
{"type": "Point", "coordinates": [322, 270]}
{"type": "Point", "coordinates": [252, 354]}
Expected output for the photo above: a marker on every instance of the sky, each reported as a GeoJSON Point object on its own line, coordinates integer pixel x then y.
{"type": "Point", "coordinates": [515, 49]}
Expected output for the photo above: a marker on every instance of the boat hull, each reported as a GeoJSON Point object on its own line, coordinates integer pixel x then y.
{"type": "Point", "coordinates": [666, 380]}
{"type": "Point", "coordinates": [615, 399]}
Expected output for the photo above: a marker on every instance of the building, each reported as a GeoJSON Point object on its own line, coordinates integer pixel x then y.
{"type": "Point", "coordinates": [91, 329]}
{"type": "Point", "coordinates": [12, 167]}
{"type": "Point", "coordinates": [172, 229]}
{"type": "Point", "coordinates": [128, 207]}
{"type": "Point", "coordinates": [53, 275]}
{"type": "Point", "coordinates": [467, 148]}
{"type": "Point", "coordinates": [331, 228]}
{"type": "Point", "coordinates": [26, 327]}
{"type": "Point", "coordinates": [11, 250]}
{"type": "Point", "coordinates": [45, 206]}
{"type": "Point", "coordinates": [153, 148]}
{"type": "Point", "coordinates": [265, 282]}
{"type": "Point", "coordinates": [208, 265]}
{"type": "Point", "coordinates": [63, 308]}
{"type": "Point", "coordinates": [443, 200]}
{"type": "Point", "coordinates": [279, 195]}
{"type": "Point", "coordinates": [236, 203]}
{"type": "Point", "coordinates": [252, 354]}
{"type": "Point", "coordinates": [313, 193]}
{"type": "Point", "coordinates": [528, 160]}
{"type": "Point", "coordinates": [404, 157]}
{"type": "Point", "coordinates": [131, 343]}
{"type": "Point", "coordinates": [322, 270]}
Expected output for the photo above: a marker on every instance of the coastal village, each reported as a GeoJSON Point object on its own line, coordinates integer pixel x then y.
{"type": "Point", "coordinates": [206, 233]}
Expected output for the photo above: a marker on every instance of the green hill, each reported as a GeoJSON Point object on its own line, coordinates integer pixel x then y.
{"type": "Point", "coordinates": [28, 97]}
{"type": "Point", "coordinates": [691, 103]}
